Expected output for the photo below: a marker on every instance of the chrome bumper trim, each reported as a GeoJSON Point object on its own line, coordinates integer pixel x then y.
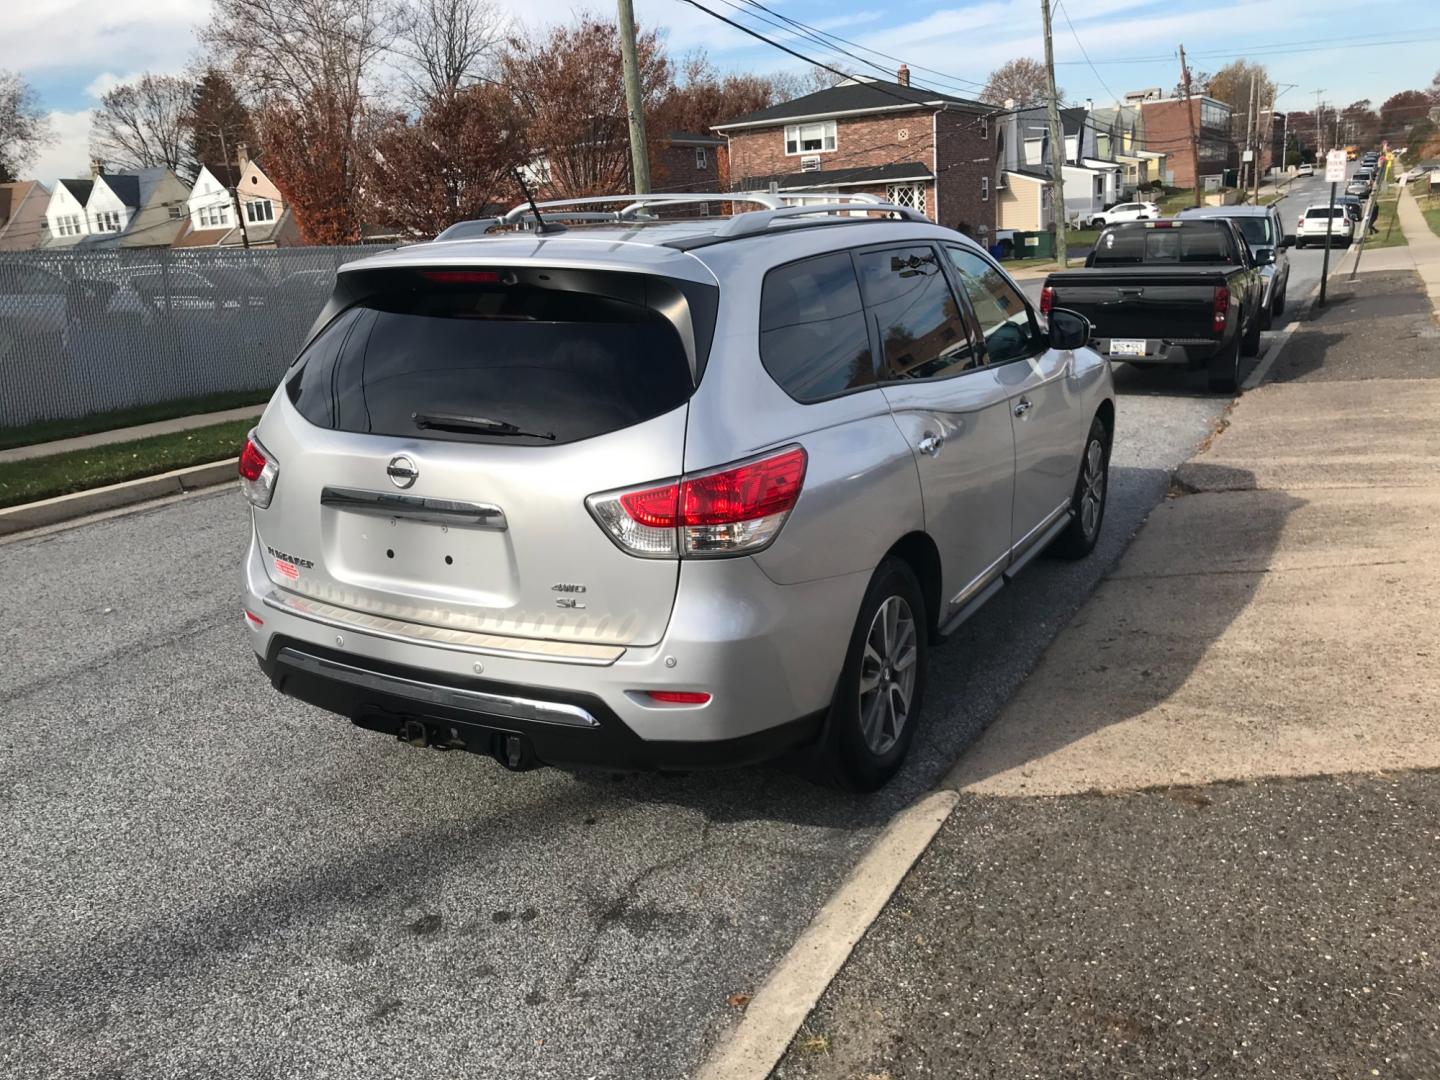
{"type": "Point", "coordinates": [476, 701]}
{"type": "Point", "coordinates": [440, 637]}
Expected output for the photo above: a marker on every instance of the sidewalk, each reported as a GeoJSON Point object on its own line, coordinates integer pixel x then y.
{"type": "Point", "coordinates": [1201, 838]}
{"type": "Point", "coordinates": [140, 431]}
{"type": "Point", "coordinates": [1423, 243]}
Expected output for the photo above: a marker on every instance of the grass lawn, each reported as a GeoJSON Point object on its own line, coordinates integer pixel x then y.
{"type": "Point", "coordinates": [1389, 233]}
{"type": "Point", "coordinates": [79, 470]}
{"type": "Point", "coordinates": [49, 430]}
{"type": "Point", "coordinates": [1176, 201]}
{"type": "Point", "coordinates": [1431, 209]}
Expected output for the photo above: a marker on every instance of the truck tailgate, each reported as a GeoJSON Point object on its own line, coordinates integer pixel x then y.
{"type": "Point", "coordinates": [1170, 305]}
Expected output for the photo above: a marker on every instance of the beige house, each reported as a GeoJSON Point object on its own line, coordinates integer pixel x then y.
{"type": "Point", "coordinates": [232, 204]}
{"type": "Point", "coordinates": [22, 214]}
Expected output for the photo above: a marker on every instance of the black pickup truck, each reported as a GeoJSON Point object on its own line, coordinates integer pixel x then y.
{"type": "Point", "coordinates": [1182, 291]}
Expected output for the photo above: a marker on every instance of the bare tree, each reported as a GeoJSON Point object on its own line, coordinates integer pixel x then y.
{"type": "Point", "coordinates": [24, 127]}
{"type": "Point", "coordinates": [1022, 79]}
{"type": "Point", "coordinates": [143, 125]}
{"type": "Point", "coordinates": [789, 85]}
{"type": "Point", "coordinates": [449, 44]}
{"type": "Point", "coordinates": [310, 64]}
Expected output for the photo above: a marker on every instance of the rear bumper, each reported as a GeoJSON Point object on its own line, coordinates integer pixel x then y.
{"type": "Point", "coordinates": [486, 717]}
{"type": "Point", "coordinates": [1179, 352]}
{"type": "Point", "coordinates": [769, 655]}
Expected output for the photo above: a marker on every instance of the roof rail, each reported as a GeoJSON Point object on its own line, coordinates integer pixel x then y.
{"type": "Point", "coordinates": [757, 221]}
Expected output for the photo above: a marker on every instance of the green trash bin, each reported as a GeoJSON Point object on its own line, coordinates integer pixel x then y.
{"type": "Point", "coordinates": [1038, 245]}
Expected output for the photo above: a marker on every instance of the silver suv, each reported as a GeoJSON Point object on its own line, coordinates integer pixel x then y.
{"type": "Point", "coordinates": [649, 491]}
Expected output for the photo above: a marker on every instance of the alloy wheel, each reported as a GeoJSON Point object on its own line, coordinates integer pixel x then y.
{"type": "Point", "coordinates": [887, 674]}
{"type": "Point", "coordinates": [1092, 487]}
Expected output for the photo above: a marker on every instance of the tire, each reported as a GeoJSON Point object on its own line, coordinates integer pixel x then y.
{"type": "Point", "coordinates": [857, 755]}
{"type": "Point", "coordinates": [1087, 502]}
{"type": "Point", "coordinates": [1225, 369]}
{"type": "Point", "coordinates": [1250, 343]}
{"type": "Point", "coordinates": [1097, 223]}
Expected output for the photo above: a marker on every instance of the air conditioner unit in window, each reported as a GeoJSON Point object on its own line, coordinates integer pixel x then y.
{"type": "Point", "coordinates": [1002, 183]}
{"type": "Point", "coordinates": [810, 163]}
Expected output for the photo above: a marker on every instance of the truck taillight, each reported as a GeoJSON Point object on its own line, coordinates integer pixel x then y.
{"type": "Point", "coordinates": [734, 510]}
{"type": "Point", "coordinates": [1221, 307]}
{"type": "Point", "coordinates": [258, 472]}
{"type": "Point", "coordinates": [1047, 300]}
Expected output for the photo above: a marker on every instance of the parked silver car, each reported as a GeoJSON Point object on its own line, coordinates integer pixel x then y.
{"type": "Point", "coordinates": [664, 493]}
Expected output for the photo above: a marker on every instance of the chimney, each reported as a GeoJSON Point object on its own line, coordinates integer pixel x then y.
{"type": "Point", "coordinates": [903, 75]}
{"type": "Point", "coordinates": [1089, 104]}
{"type": "Point", "coordinates": [242, 156]}
{"type": "Point", "coordinates": [97, 167]}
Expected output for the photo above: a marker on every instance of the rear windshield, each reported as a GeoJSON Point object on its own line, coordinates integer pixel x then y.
{"type": "Point", "coordinates": [491, 362]}
{"type": "Point", "coordinates": [1257, 231]}
{"type": "Point", "coordinates": [1200, 244]}
{"type": "Point", "coordinates": [1323, 212]}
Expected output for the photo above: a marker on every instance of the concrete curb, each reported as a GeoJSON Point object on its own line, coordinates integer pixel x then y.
{"type": "Point", "coordinates": [34, 515]}
{"type": "Point", "coordinates": [806, 971]}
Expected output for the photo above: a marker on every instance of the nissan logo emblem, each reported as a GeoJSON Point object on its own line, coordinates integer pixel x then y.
{"type": "Point", "coordinates": [402, 471]}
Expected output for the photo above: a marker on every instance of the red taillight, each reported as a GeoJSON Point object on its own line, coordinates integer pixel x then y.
{"type": "Point", "coordinates": [678, 697]}
{"type": "Point", "coordinates": [254, 619]}
{"type": "Point", "coordinates": [462, 277]}
{"type": "Point", "coordinates": [1221, 307]}
{"type": "Point", "coordinates": [729, 511]}
{"type": "Point", "coordinates": [258, 472]}
{"type": "Point", "coordinates": [1047, 300]}
{"type": "Point", "coordinates": [252, 461]}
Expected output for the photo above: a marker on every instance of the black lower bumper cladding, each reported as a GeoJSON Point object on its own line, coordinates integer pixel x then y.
{"type": "Point", "coordinates": [449, 712]}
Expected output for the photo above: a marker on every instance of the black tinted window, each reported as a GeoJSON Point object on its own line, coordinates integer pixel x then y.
{"type": "Point", "coordinates": [547, 362]}
{"type": "Point", "coordinates": [922, 333]}
{"type": "Point", "coordinates": [1180, 244]}
{"type": "Point", "coordinates": [1005, 322]}
{"type": "Point", "coordinates": [812, 328]}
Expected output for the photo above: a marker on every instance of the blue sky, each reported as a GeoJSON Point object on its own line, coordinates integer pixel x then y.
{"type": "Point", "coordinates": [73, 50]}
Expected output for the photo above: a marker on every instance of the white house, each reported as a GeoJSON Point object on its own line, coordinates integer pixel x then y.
{"type": "Point", "coordinates": [65, 216]}
{"type": "Point", "coordinates": [263, 219]}
{"type": "Point", "coordinates": [127, 209]}
{"type": "Point", "coordinates": [210, 205]}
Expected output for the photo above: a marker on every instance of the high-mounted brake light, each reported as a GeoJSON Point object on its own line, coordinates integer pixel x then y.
{"type": "Point", "coordinates": [258, 472]}
{"type": "Point", "coordinates": [1047, 300]}
{"type": "Point", "coordinates": [1220, 307]}
{"type": "Point", "coordinates": [734, 510]}
{"type": "Point", "coordinates": [462, 277]}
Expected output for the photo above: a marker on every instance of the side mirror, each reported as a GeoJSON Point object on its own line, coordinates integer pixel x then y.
{"type": "Point", "coordinates": [1068, 330]}
{"type": "Point", "coordinates": [1265, 257]}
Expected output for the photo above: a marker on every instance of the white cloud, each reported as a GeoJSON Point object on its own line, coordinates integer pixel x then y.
{"type": "Point", "coordinates": [139, 35]}
{"type": "Point", "coordinates": [69, 154]}
{"type": "Point", "coordinates": [106, 81]}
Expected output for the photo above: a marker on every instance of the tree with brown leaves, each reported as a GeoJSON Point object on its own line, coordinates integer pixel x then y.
{"type": "Point", "coordinates": [454, 162]}
{"type": "Point", "coordinates": [702, 97]}
{"type": "Point", "coordinates": [567, 85]}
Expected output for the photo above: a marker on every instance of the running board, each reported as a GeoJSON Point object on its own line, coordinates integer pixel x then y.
{"type": "Point", "coordinates": [1008, 575]}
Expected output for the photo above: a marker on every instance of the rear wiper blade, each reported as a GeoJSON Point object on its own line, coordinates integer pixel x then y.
{"type": "Point", "coordinates": [481, 424]}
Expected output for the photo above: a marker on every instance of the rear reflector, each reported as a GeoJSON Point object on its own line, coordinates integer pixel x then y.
{"type": "Point", "coordinates": [258, 472]}
{"type": "Point", "coordinates": [677, 697]}
{"type": "Point", "coordinates": [254, 619]}
{"type": "Point", "coordinates": [733, 510]}
{"type": "Point", "coordinates": [1047, 300]}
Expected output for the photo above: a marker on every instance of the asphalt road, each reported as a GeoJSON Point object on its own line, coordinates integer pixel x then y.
{"type": "Point", "coordinates": [204, 878]}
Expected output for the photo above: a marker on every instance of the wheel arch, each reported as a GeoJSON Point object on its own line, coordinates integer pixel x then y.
{"type": "Point", "coordinates": [918, 551]}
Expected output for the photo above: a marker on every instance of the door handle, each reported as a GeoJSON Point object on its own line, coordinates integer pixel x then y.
{"type": "Point", "coordinates": [1022, 406]}
{"type": "Point", "coordinates": [930, 444]}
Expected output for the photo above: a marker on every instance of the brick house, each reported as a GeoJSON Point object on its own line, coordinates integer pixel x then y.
{"type": "Point", "coordinates": [1167, 131]}
{"type": "Point", "coordinates": [687, 162]}
{"type": "Point", "coordinates": [912, 146]}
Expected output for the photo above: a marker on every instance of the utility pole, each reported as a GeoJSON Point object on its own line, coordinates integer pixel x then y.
{"type": "Point", "coordinates": [1250, 118]}
{"type": "Point", "coordinates": [1057, 145]}
{"type": "Point", "coordinates": [234, 191]}
{"type": "Point", "coordinates": [1190, 118]}
{"type": "Point", "coordinates": [634, 102]}
{"type": "Point", "coordinates": [1319, 137]}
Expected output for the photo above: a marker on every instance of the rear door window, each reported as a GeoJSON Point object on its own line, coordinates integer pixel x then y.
{"type": "Point", "coordinates": [441, 355]}
{"type": "Point", "coordinates": [921, 330]}
{"type": "Point", "coordinates": [813, 340]}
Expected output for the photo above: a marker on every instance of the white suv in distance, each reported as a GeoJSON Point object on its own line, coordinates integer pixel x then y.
{"type": "Point", "coordinates": [1317, 220]}
{"type": "Point", "coordinates": [648, 492]}
{"type": "Point", "coordinates": [1131, 211]}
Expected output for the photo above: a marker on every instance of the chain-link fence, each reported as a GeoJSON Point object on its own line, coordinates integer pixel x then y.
{"type": "Point", "coordinates": [89, 331]}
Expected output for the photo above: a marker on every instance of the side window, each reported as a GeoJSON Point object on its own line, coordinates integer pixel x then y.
{"type": "Point", "coordinates": [922, 332]}
{"type": "Point", "coordinates": [1005, 321]}
{"type": "Point", "coordinates": [813, 340]}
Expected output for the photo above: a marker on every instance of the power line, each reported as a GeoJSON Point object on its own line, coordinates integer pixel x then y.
{"type": "Point", "coordinates": [1319, 45]}
{"type": "Point", "coordinates": [1065, 11]}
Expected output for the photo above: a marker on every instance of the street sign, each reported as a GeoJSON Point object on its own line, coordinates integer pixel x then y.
{"type": "Point", "coordinates": [1335, 167]}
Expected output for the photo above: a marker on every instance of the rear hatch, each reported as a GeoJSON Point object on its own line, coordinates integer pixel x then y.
{"type": "Point", "coordinates": [1147, 282]}
{"type": "Point", "coordinates": [437, 440]}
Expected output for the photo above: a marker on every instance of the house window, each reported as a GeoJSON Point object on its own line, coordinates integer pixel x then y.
{"type": "Point", "coordinates": [984, 127]}
{"type": "Point", "coordinates": [107, 221]}
{"type": "Point", "coordinates": [810, 138]}
{"type": "Point", "coordinates": [214, 216]}
{"type": "Point", "coordinates": [911, 195]}
{"type": "Point", "coordinates": [258, 210]}
{"type": "Point", "coordinates": [67, 225]}
{"type": "Point", "coordinates": [175, 213]}
{"type": "Point", "coordinates": [984, 189]}
{"type": "Point", "coordinates": [702, 159]}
